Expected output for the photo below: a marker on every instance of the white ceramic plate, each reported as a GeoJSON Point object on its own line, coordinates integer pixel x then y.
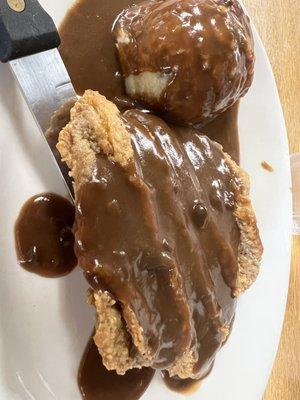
{"type": "Point", "coordinates": [45, 324]}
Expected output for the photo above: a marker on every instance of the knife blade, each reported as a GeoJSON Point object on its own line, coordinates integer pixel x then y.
{"type": "Point", "coordinates": [29, 41]}
{"type": "Point", "coordinates": [45, 84]}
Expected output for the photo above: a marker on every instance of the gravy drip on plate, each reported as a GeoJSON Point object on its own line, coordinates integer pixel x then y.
{"type": "Point", "coordinates": [224, 130]}
{"type": "Point", "coordinates": [183, 386]}
{"type": "Point", "coordinates": [97, 383]}
{"type": "Point", "coordinates": [43, 236]}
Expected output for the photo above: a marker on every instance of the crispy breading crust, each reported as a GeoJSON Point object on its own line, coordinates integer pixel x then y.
{"type": "Point", "coordinates": [96, 127]}
{"type": "Point", "coordinates": [250, 248]}
{"type": "Point", "coordinates": [111, 337]}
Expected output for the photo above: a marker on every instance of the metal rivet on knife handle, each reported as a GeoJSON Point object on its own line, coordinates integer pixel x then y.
{"type": "Point", "coordinates": [25, 33]}
{"type": "Point", "coordinates": [17, 5]}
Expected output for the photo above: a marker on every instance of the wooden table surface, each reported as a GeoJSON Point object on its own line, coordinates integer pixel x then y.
{"type": "Point", "coordinates": [278, 24]}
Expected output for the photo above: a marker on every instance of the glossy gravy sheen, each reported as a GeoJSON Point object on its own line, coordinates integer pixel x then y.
{"type": "Point", "coordinates": [87, 46]}
{"type": "Point", "coordinates": [178, 241]}
{"type": "Point", "coordinates": [43, 236]}
{"type": "Point", "coordinates": [88, 51]}
{"type": "Point", "coordinates": [201, 49]}
{"type": "Point", "coordinates": [97, 383]}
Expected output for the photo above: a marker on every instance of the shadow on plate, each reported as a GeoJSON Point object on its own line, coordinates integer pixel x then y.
{"type": "Point", "coordinates": [24, 372]}
{"type": "Point", "coordinates": [25, 129]}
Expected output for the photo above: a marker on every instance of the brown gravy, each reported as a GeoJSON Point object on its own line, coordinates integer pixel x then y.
{"type": "Point", "coordinates": [177, 241]}
{"type": "Point", "coordinates": [88, 51]}
{"type": "Point", "coordinates": [43, 236]}
{"type": "Point", "coordinates": [204, 55]}
{"type": "Point", "coordinates": [184, 386]}
{"type": "Point", "coordinates": [224, 130]}
{"type": "Point", "coordinates": [97, 383]}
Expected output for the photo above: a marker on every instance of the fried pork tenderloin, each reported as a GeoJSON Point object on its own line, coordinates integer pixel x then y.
{"type": "Point", "coordinates": [165, 233]}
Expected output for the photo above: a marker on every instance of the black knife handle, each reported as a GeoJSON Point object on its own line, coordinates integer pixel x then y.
{"type": "Point", "coordinates": [26, 32]}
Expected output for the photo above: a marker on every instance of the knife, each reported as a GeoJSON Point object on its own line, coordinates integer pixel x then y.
{"type": "Point", "coordinates": [29, 41]}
